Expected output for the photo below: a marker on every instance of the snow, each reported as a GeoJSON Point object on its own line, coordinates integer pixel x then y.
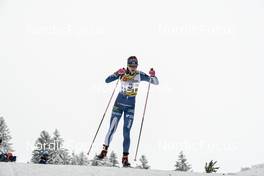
{"type": "Point", "coordinates": [21, 169]}
{"type": "Point", "coordinates": [253, 172]}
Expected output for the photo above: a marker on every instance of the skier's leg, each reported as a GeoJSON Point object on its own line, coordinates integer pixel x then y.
{"type": "Point", "coordinates": [116, 115]}
{"type": "Point", "coordinates": [128, 122]}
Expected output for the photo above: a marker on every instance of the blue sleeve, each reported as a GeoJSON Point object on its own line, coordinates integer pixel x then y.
{"type": "Point", "coordinates": [111, 78]}
{"type": "Point", "coordinates": [145, 77]}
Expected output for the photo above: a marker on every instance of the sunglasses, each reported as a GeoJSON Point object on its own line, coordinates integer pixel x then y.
{"type": "Point", "coordinates": [132, 66]}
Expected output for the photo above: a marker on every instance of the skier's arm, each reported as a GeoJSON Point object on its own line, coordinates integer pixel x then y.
{"type": "Point", "coordinates": [115, 76]}
{"type": "Point", "coordinates": [111, 78]}
{"type": "Point", "coordinates": [153, 80]}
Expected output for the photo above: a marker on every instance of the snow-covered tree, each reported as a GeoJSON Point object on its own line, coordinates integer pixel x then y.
{"type": "Point", "coordinates": [96, 162]}
{"type": "Point", "coordinates": [144, 163]}
{"type": "Point", "coordinates": [113, 159]}
{"type": "Point", "coordinates": [83, 160]}
{"type": "Point", "coordinates": [74, 159]}
{"type": "Point", "coordinates": [5, 134]}
{"type": "Point", "coordinates": [53, 146]}
{"type": "Point", "coordinates": [210, 168]}
{"type": "Point", "coordinates": [42, 145]}
{"type": "Point", "coordinates": [257, 166]}
{"type": "Point", "coordinates": [80, 159]}
{"type": "Point", "coordinates": [182, 164]}
{"type": "Point", "coordinates": [58, 154]}
{"type": "Point", "coordinates": [104, 162]}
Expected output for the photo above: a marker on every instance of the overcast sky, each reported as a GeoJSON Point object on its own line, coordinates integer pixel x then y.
{"type": "Point", "coordinates": [208, 56]}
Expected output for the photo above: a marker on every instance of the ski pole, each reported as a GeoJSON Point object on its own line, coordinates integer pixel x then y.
{"type": "Point", "coordinates": [146, 101]}
{"type": "Point", "coordinates": [102, 118]}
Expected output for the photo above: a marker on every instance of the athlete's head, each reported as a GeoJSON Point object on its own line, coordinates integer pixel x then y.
{"type": "Point", "coordinates": [132, 64]}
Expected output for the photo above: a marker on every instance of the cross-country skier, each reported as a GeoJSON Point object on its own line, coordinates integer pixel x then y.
{"type": "Point", "coordinates": [125, 103]}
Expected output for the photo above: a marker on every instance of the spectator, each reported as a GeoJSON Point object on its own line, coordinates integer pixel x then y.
{"type": "Point", "coordinates": [5, 155]}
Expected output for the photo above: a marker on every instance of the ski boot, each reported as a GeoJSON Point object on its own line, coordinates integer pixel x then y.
{"type": "Point", "coordinates": [103, 153]}
{"type": "Point", "coordinates": [125, 160]}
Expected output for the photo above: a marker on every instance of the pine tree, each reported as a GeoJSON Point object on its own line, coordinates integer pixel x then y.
{"type": "Point", "coordinates": [42, 145]}
{"type": "Point", "coordinates": [104, 162]}
{"type": "Point", "coordinates": [182, 164]}
{"type": "Point", "coordinates": [74, 159]}
{"type": "Point", "coordinates": [54, 148]}
{"type": "Point", "coordinates": [113, 159]}
{"type": "Point", "coordinates": [144, 163]}
{"type": "Point", "coordinates": [83, 160]}
{"type": "Point", "coordinates": [94, 161]}
{"type": "Point", "coordinates": [210, 168]}
{"type": "Point", "coordinates": [5, 134]}
{"type": "Point", "coordinates": [58, 154]}
{"type": "Point", "coordinates": [80, 159]}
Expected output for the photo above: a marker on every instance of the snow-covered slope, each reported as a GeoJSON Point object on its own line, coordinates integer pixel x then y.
{"type": "Point", "coordinates": [19, 169]}
{"type": "Point", "coordinates": [258, 171]}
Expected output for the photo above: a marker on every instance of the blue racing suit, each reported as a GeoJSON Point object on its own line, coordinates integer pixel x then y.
{"type": "Point", "coordinates": [125, 103]}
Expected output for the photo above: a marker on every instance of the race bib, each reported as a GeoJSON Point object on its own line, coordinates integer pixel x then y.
{"type": "Point", "coordinates": [130, 86]}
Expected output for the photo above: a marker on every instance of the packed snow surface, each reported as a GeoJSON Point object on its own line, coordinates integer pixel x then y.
{"type": "Point", "coordinates": [21, 169]}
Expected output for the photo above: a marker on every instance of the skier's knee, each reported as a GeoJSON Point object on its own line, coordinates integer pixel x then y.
{"type": "Point", "coordinates": [117, 109]}
{"type": "Point", "coordinates": [129, 122]}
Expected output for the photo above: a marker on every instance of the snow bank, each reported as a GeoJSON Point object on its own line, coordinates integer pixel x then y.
{"type": "Point", "coordinates": [20, 169]}
{"type": "Point", "coordinates": [257, 170]}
